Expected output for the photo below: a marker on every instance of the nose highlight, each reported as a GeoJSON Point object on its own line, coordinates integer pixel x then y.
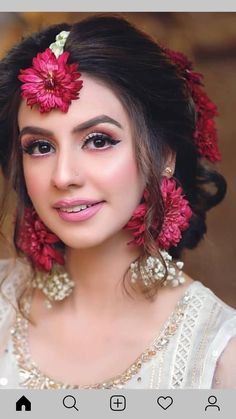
{"type": "Point", "coordinates": [67, 172]}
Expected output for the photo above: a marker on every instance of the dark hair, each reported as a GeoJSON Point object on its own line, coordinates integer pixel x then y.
{"type": "Point", "coordinates": [153, 93]}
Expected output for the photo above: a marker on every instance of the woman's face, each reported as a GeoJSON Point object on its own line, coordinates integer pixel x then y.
{"type": "Point", "coordinates": [85, 154]}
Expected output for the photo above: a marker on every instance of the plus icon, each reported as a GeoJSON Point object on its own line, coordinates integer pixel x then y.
{"type": "Point", "coordinates": [118, 402]}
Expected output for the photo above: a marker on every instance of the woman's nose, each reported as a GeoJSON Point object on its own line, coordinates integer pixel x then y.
{"type": "Point", "coordinates": [67, 171]}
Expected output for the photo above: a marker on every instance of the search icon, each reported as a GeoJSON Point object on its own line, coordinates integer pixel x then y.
{"type": "Point", "coordinates": [71, 400]}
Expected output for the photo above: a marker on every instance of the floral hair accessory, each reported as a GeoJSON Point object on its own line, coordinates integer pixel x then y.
{"type": "Point", "coordinates": [51, 83]}
{"type": "Point", "coordinates": [35, 240]}
{"type": "Point", "coordinates": [205, 134]}
{"type": "Point", "coordinates": [177, 214]}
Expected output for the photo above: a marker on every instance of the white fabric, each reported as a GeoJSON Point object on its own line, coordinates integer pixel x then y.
{"type": "Point", "coordinates": [201, 354]}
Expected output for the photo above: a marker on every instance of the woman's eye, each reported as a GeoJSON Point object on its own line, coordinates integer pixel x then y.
{"type": "Point", "coordinates": [98, 140]}
{"type": "Point", "coordinates": [37, 147]}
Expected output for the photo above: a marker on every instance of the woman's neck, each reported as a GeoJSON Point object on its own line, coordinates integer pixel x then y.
{"type": "Point", "coordinates": [98, 273]}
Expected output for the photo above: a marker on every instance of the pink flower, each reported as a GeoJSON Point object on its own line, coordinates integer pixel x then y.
{"type": "Point", "coordinates": [205, 134]}
{"type": "Point", "coordinates": [35, 240]}
{"type": "Point", "coordinates": [136, 224]}
{"type": "Point", "coordinates": [177, 213]}
{"type": "Point", "coordinates": [50, 82]}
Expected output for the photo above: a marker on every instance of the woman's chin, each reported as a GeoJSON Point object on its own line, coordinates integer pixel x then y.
{"type": "Point", "coordinates": [82, 243]}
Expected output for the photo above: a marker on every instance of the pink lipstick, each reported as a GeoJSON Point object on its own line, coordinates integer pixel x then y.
{"type": "Point", "coordinates": [81, 215]}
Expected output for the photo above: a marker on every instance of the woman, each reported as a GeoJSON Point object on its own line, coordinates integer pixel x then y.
{"type": "Point", "coordinates": [103, 136]}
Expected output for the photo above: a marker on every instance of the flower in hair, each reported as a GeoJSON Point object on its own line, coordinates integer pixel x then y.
{"type": "Point", "coordinates": [177, 214]}
{"type": "Point", "coordinates": [205, 133]}
{"type": "Point", "coordinates": [51, 82]}
{"type": "Point", "coordinates": [35, 240]}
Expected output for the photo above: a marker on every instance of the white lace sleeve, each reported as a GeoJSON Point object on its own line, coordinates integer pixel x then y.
{"type": "Point", "coordinates": [225, 371]}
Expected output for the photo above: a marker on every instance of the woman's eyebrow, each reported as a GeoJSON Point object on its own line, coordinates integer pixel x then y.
{"type": "Point", "coordinates": [34, 131]}
{"type": "Point", "coordinates": [81, 127]}
{"type": "Point", "coordinates": [101, 119]}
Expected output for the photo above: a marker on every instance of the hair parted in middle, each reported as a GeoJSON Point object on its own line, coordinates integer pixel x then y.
{"type": "Point", "coordinates": [154, 95]}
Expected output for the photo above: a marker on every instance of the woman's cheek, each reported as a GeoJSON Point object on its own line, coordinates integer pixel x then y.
{"type": "Point", "coordinates": [125, 181]}
{"type": "Point", "coordinates": [121, 169]}
{"type": "Point", "coordinates": [35, 184]}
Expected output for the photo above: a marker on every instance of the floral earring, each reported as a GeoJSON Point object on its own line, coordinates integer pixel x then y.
{"type": "Point", "coordinates": [177, 214]}
{"type": "Point", "coordinates": [36, 241]}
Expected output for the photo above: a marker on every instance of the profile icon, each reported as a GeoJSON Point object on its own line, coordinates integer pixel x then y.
{"type": "Point", "coordinates": [212, 400]}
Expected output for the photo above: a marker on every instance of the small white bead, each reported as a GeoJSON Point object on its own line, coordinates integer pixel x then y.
{"type": "Point", "coordinates": [180, 264]}
{"type": "Point", "coordinates": [175, 282]}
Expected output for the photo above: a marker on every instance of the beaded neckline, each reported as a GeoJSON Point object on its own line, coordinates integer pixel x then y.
{"type": "Point", "coordinates": [32, 377]}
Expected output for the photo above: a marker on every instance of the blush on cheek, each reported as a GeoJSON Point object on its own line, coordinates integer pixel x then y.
{"type": "Point", "coordinates": [131, 174]}
{"type": "Point", "coordinates": [123, 168]}
{"type": "Point", "coordinates": [124, 178]}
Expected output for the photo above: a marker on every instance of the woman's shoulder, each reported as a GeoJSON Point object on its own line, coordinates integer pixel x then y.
{"type": "Point", "coordinates": [209, 318]}
{"type": "Point", "coordinates": [203, 297]}
{"type": "Point", "coordinates": [206, 314]}
{"type": "Point", "coordinates": [14, 273]}
{"type": "Point", "coordinates": [207, 328]}
{"type": "Point", "coordinates": [217, 330]}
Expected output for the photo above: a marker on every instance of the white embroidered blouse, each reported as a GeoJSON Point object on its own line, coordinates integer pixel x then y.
{"type": "Point", "coordinates": [196, 347]}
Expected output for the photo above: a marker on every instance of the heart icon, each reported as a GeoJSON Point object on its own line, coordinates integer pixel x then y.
{"type": "Point", "coordinates": [165, 402]}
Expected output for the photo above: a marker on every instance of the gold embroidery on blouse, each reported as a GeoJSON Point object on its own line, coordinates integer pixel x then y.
{"type": "Point", "coordinates": [32, 377]}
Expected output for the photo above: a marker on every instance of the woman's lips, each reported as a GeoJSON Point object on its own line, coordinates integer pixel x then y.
{"type": "Point", "coordinates": [69, 202]}
{"type": "Point", "coordinates": [81, 215]}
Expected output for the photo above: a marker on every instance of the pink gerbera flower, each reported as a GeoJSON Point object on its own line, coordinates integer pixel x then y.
{"type": "Point", "coordinates": [35, 240]}
{"type": "Point", "coordinates": [50, 82]}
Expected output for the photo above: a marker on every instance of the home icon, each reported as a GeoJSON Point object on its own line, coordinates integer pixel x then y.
{"type": "Point", "coordinates": [23, 404]}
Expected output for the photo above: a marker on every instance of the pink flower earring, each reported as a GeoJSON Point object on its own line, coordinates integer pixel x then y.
{"type": "Point", "coordinates": [36, 241]}
{"type": "Point", "coordinates": [177, 214]}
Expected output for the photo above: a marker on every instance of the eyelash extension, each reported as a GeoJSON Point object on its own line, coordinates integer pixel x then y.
{"type": "Point", "coordinates": [29, 147]}
{"type": "Point", "coordinates": [98, 135]}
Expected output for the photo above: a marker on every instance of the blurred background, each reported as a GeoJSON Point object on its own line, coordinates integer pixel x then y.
{"type": "Point", "coordinates": [209, 40]}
